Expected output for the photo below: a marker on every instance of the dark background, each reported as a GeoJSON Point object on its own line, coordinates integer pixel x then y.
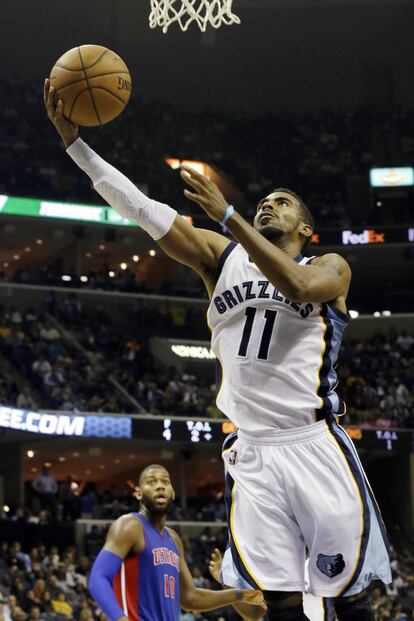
{"type": "Point", "coordinates": [306, 55]}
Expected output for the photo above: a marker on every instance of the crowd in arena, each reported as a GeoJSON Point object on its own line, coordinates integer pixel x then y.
{"type": "Point", "coordinates": [376, 374]}
{"type": "Point", "coordinates": [105, 279]}
{"type": "Point", "coordinates": [49, 583]}
{"type": "Point", "coordinates": [49, 501]}
{"type": "Point", "coordinates": [314, 153]}
{"type": "Point", "coordinates": [56, 373]}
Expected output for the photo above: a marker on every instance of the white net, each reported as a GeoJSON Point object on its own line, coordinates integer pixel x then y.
{"type": "Point", "coordinates": [205, 13]}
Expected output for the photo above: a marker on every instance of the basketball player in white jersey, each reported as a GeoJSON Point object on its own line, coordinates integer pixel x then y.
{"type": "Point", "coordinates": [293, 477]}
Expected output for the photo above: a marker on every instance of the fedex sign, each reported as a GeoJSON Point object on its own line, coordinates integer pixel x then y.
{"type": "Point", "coordinates": [369, 236]}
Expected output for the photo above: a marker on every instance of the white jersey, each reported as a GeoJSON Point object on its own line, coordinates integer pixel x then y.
{"type": "Point", "coordinates": [277, 357]}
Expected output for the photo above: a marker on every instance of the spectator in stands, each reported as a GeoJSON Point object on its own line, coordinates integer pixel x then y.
{"type": "Point", "coordinates": [41, 366]}
{"type": "Point", "coordinates": [46, 487]}
{"type": "Point", "coordinates": [25, 399]}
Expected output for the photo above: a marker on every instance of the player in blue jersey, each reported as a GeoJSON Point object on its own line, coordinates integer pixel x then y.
{"type": "Point", "coordinates": [141, 573]}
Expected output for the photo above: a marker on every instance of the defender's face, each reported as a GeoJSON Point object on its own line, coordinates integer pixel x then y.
{"type": "Point", "coordinates": [156, 491]}
{"type": "Point", "coordinates": [276, 215]}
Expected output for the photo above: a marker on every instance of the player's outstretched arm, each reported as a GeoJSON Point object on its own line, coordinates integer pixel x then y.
{"type": "Point", "coordinates": [196, 599]}
{"type": "Point", "coordinates": [248, 612]}
{"type": "Point", "coordinates": [125, 534]}
{"type": "Point", "coordinates": [328, 277]}
{"type": "Point", "coordinates": [199, 249]}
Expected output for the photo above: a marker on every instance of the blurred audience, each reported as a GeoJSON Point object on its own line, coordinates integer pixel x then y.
{"type": "Point", "coordinates": [376, 374]}
{"type": "Point", "coordinates": [51, 585]}
{"type": "Point", "coordinates": [314, 153]}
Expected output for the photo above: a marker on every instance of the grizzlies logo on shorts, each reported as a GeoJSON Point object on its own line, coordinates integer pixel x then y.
{"type": "Point", "coordinates": [331, 566]}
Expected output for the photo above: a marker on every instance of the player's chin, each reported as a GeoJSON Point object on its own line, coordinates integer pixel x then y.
{"type": "Point", "coordinates": [159, 508]}
{"type": "Point", "coordinates": [270, 232]}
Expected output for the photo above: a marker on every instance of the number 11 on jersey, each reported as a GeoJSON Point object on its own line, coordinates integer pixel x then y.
{"type": "Point", "coordinates": [270, 318]}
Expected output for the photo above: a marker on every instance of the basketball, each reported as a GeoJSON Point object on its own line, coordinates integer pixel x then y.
{"type": "Point", "coordinates": [94, 83]}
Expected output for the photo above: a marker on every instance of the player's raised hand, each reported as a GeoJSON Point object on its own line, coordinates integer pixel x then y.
{"type": "Point", "coordinates": [205, 193]}
{"type": "Point", "coordinates": [54, 107]}
{"type": "Point", "coordinates": [215, 563]}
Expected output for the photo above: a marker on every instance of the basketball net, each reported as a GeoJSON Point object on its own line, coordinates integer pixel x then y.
{"type": "Point", "coordinates": [205, 13]}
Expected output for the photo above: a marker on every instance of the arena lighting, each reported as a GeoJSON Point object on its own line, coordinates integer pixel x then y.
{"type": "Point", "coordinates": [39, 242]}
{"type": "Point", "coordinates": [88, 255]}
{"type": "Point", "coordinates": [6, 508]}
{"type": "Point", "coordinates": [401, 176]}
{"type": "Point", "coordinates": [5, 264]}
{"type": "Point", "coordinates": [175, 163]}
{"type": "Point", "coordinates": [152, 253]}
{"type": "Point", "coordinates": [386, 313]}
{"type": "Point", "coordinates": [188, 218]}
{"type": "Point", "coordinates": [354, 314]}
{"type": "Point", "coordinates": [16, 257]}
{"type": "Point", "coordinates": [102, 247]}
{"type": "Point", "coordinates": [66, 277]}
{"type": "Point", "coordinates": [377, 314]}
{"type": "Point", "coordinates": [123, 266]}
{"type": "Point", "coordinates": [111, 274]}
{"type": "Point", "coordinates": [30, 453]}
{"type": "Point", "coordinates": [135, 258]}
{"type": "Point", "coordinates": [28, 249]}
{"type": "Point", "coordinates": [84, 278]}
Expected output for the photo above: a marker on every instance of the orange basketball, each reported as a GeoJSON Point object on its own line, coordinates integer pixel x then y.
{"type": "Point", "coordinates": [93, 82]}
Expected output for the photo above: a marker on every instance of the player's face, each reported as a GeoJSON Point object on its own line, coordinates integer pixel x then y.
{"type": "Point", "coordinates": [276, 215]}
{"type": "Point", "coordinates": [157, 492]}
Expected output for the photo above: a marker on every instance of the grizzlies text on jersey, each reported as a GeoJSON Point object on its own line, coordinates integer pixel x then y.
{"type": "Point", "coordinates": [277, 356]}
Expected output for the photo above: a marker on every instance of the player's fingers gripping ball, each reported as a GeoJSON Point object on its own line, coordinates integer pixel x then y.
{"type": "Point", "coordinates": [94, 84]}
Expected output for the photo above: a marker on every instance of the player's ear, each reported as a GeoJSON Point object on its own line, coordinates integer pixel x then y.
{"type": "Point", "coordinates": [173, 494]}
{"type": "Point", "coordinates": [137, 493]}
{"type": "Point", "coordinates": [306, 229]}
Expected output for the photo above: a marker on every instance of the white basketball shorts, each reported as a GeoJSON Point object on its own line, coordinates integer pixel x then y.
{"type": "Point", "coordinates": [299, 489]}
{"type": "Point", "coordinates": [315, 608]}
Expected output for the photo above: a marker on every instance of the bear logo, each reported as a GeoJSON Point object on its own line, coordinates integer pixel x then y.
{"type": "Point", "coordinates": [331, 566]}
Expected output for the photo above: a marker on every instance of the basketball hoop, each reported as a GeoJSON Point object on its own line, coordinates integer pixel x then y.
{"type": "Point", "coordinates": [204, 12]}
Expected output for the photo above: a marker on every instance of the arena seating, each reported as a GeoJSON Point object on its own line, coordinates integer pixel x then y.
{"type": "Point", "coordinates": [313, 153]}
{"type": "Point", "coordinates": [376, 374]}
{"type": "Point", "coordinates": [49, 583]}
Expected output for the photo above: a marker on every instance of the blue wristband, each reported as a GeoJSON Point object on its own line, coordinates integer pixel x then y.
{"type": "Point", "coordinates": [227, 215]}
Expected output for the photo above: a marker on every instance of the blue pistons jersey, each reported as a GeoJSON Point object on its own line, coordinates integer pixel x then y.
{"type": "Point", "coordinates": [147, 585]}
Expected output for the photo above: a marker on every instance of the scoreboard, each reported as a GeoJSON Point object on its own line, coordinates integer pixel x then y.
{"type": "Point", "coordinates": [168, 430]}
{"type": "Point", "coordinates": [214, 432]}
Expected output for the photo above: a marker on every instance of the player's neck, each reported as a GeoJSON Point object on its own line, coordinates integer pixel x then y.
{"type": "Point", "coordinates": [290, 248]}
{"type": "Point", "coordinates": [157, 521]}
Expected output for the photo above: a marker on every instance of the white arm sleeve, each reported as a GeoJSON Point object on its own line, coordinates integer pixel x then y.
{"type": "Point", "coordinates": [119, 192]}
